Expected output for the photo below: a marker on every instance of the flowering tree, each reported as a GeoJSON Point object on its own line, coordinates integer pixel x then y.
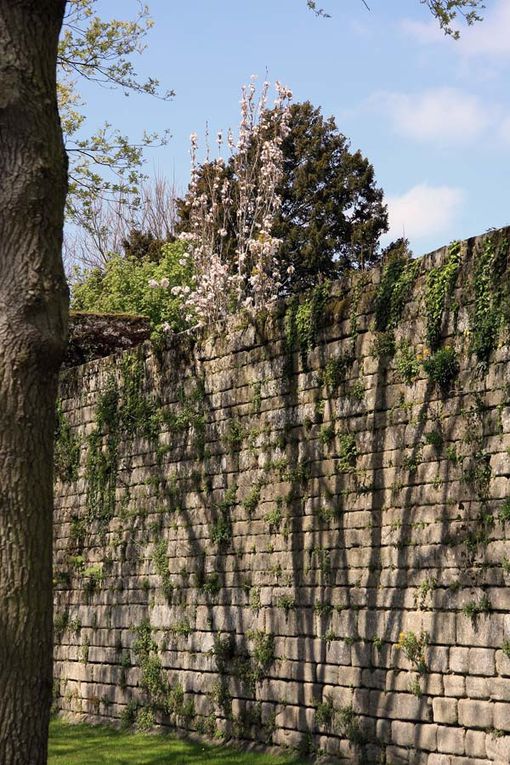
{"type": "Point", "coordinates": [331, 213]}
{"type": "Point", "coordinates": [244, 200]}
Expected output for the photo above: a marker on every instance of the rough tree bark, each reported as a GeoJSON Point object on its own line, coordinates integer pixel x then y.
{"type": "Point", "coordinates": [33, 317]}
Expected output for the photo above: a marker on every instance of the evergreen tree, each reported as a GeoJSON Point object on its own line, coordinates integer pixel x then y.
{"type": "Point", "coordinates": [332, 212]}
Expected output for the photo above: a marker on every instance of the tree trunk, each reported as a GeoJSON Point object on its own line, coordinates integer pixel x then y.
{"type": "Point", "coordinates": [33, 317]}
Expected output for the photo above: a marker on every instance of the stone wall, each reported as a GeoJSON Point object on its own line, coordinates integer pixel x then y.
{"type": "Point", "coordinates": [296, 531]}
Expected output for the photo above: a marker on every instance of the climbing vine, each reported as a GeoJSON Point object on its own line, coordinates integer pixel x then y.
{"type": "Point", "coordinates": [67, 449]}
{"type": "Point", "coordinates": [302, 319]}
{"type": "Point", "coordinates": [102, 456]}
{"type": "Point", "coordinates": [490, 289]}
{"type": "Point", "coordinates": [440, 283]}
{"type": "Point", "coordinates": [398, 277]}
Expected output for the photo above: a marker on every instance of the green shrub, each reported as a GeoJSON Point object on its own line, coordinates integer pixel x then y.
{"type": "Point", "coordinates": [252, 499]}
{"type": "Point", "coordinates": [123, 287]}
{"type": "Point", "coordinates": [274, 518]}
{"type": "Point", "coordinates": [406, 363]}
{"type": "Point", "coordinates": [434, 438]}
{"type": "Point", "coordinates": [262, 653]}
{"type": "Point", "coordinates": [327, 434]}
{"type": "Point", "coordinates": [145, 719]}
{"type": "Point", "coordinates": [234, 436]}
{"type": "Point", "coordinates": [324, 714]}
{"type": "Point", "coordinates": [349, 725]}
{"type": "Point", "coordinates": [442, 368]}
{"type": "Point", "coordinates": [384, 344]}
{"type": "Point", "coordinates": [221, 532]}
{"type": "Point", "coordinates": [452, 454]}
{"type": "Point", "coordinates": [286, 602]}
{"type": "Point", "coordinates": [413, 648]}
{"type": "Point", "coordinates": [128, 715]}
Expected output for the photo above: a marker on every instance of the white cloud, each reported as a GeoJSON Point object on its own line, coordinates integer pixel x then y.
{"type": "Point", "coordinates": [443, 115]}
{"type": "Point", "coordinates": [424, 32]}
{"type": "Point", "coordinates": [504, 131]}
{"type": "Point", "coordinates": [423, 211]}
{"type": "Point", "coordinates": [490, 37]}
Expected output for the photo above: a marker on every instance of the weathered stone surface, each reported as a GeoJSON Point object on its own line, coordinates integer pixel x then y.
{"type": "Point", "coordinates": [279, 539]}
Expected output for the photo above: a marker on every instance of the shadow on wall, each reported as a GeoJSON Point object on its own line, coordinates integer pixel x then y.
{"type": "Point", "coordinates": [295, 531]}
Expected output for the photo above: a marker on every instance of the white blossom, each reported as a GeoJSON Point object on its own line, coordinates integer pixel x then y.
{"type": "Point", "coordinates": [254, 282]}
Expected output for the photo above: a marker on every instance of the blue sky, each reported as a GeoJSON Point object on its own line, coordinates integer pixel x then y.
{"type": "Point", "coordinates": [431, 114]}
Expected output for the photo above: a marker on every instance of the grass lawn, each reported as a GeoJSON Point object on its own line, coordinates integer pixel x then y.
{"type": "Point", "coordinates": [91, 745]}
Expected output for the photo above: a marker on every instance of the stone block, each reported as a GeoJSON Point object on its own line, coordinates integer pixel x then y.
{"type": "Point", "coordinates": [451, 740]}
{"type": "Point", "coordinates": [502, 663]}
{"type": "Point", "coordinates": [482, 661]}
{"type": "Point", "coordinates": [500, 688]}
{"type": "Point", "coordinates": [425, 737]}
{"type": "Point", "coordinates": [383, 730]}
{"type": "Point", "coordinates": [445, 711]}
{"type": "Point", "coordinates": [488, 630]}
{"type": "Point", "coordinates": [502, 717]}
{"type": "Point", "coordinates": [478, 687]}
{"type": "Point", "coordinates": [399, 706]}
{"type": "Point", "coordinates": [497, 748]}
{"type": "Point", "coordinates": [459, 660]}
{"type": "Point", "coordinates": [475, 714]}
{"type": "Point", "coordinates": [402, 733]}
{"type": "Point", "coordinates": [439, 759]}
{"type": "Point", "coordinates": [475, 743]}
{"type": "Point", "coordinates": [454, 685]}
{"type": "Point", "coordinates": [397, 755]}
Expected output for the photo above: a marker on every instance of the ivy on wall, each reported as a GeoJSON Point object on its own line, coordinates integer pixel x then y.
{"type": "Point", "coordinates": [491, 293]}
{"type": "Point", "coordinates": [439, 286]}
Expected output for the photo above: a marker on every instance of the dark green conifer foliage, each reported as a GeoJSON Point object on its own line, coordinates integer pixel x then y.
{"type": "Point", "coordinates": [332, 214]}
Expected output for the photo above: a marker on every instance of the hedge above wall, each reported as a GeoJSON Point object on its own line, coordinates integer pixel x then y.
{"type": "Point", "coordinates": [296, 530]}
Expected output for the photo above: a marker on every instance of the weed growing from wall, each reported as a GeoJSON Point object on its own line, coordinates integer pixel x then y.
{"type": "Point", "coordinates": [349, 726]}
{"type": "Point", "coordinates": [407, 363]}
{"type": "Point", "coordinates": [474, 608]}
{"type": "Point", "coordinates": [324, 714]}
{"type": "Point", "coordinates": [161, 696]}
{"type": "Point", "coordinates": [221, 531]}
{"type": "Point", "coordinates": [347, 452]}
{"type": "Point", "coordinates": [190, 415]}
{"type": "Point", "coordinates": [442, 368]}
{"type": "Point", "coordinates": [413, 647]}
